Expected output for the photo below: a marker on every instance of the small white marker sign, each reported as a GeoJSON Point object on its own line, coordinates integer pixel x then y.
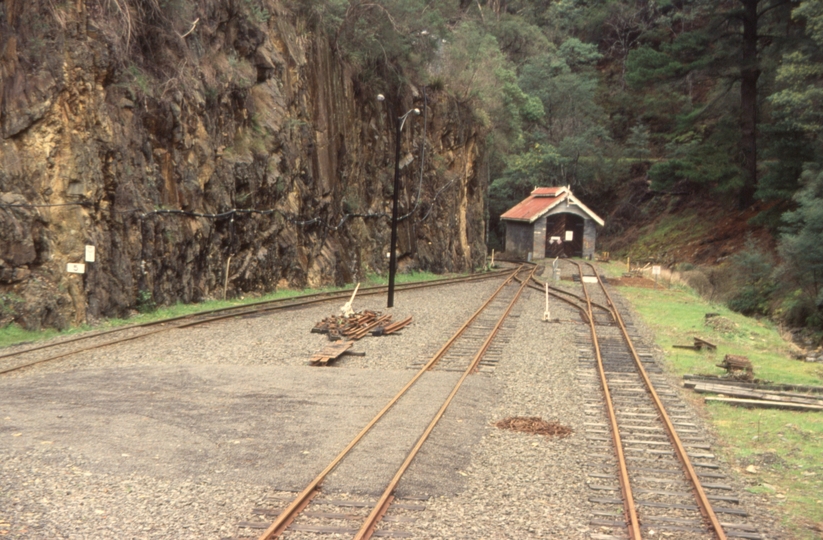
{"type": "Point", "coordinates": [76, 268]}
{"type": "Point", "coordinates": [89, 253]}
{"type": "Point", "coordinates": [655, 270]}
{"type": "Point", "coordinates": [569, 236]}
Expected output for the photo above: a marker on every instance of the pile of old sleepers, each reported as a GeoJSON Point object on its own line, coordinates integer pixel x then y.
{"type": "Point", "coordinates": [749, 394]}
{"type": "Point", "coordinates": [358, 325]}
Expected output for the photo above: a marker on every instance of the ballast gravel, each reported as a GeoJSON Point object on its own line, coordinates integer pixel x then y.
{"type": "Point", "coordinates": [189, 433]}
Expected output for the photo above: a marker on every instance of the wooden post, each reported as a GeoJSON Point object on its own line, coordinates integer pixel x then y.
{"type": "Point", "coordinates": [547, 316]}
{"type": "Point", "coordinates": [346, 309]}
{"type": "Point", "coordinates": [226, 277]}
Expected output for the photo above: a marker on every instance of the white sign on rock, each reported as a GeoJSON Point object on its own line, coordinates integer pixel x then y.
{"type": "Point", "coordinates": [89, 253]}
{"type": "Point", "coordinates": [76, 268]}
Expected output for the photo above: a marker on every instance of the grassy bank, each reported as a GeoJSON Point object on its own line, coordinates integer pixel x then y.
{"type": "Point", "coordinates": [15, 334]}
{"type": "Point", "coordinates": [778, 453]}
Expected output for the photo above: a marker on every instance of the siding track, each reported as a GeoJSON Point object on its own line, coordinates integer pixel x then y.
{"type": "Point", "coordinates": [19, 358]}
{"type": "Point", "coordinates": [648, 461]}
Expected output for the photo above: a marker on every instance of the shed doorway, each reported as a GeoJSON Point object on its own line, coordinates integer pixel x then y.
{"type": "Point", "coordinates": [564, 235]}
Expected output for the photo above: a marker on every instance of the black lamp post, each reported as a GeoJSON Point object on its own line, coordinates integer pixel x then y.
{"type": "Point", "coordinates": [398, 122]}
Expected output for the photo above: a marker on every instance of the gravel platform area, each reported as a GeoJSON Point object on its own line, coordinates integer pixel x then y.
{"type": "Point", "coordinates": [183, 435]}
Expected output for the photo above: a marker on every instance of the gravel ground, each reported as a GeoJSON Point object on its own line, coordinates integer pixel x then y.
{"type": "Point", "coordinates": [184, 434]}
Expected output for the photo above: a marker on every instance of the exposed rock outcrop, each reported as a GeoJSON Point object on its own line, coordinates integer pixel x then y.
{"type": "Point", "coordinates": [173, 153]}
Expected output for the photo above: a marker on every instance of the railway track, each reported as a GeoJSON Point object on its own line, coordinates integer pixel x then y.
{"type": "Point", "coordinates": [18, 358]}
{"type": "Point", "coordinates": [312, 512]}
{"type": "Point", "coordinates": [650, 469]}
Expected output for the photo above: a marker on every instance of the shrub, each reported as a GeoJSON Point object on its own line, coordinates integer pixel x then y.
{"type": "Point", "coordinates": [753, 271]}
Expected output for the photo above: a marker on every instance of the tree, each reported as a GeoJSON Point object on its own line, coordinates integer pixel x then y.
{"type": "Point", "coordinates": [800, 246]}
{"type": "Point", "coordinates": [730, 50]}
{"type": "Point", "coordinates": [798, 105]}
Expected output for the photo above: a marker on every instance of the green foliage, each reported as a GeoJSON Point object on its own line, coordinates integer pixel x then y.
{"type": "Point", "coordinates": [753, 268]}
{"type": "Point", "coordinates": [145, 302]}
{"type": "Point", "coordinates": [385, 42]}
{"type": "Point", "coordinates": [800, 244]}
{"type": "Point", "coordinates": [518, 39]}
{"type": "Point", "coordinates": [638, 142]}
{"type": "Point", "coordinates": [701, 158]}
{"type": "Point", "coordinates": [256, 11]}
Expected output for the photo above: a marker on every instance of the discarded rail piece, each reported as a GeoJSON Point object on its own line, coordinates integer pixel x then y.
{"type": "Point", "coordinates": [391, 328]}
{"type": "Point", "coordinates": [357, 325]}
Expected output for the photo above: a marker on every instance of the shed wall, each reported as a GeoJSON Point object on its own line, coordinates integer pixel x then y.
{"type": "Point", "coordinates": [539, 239]}
{"type": "Point", "coordinates": [519, 239]}
{"type": "Point", "coordinates": [589, 238]}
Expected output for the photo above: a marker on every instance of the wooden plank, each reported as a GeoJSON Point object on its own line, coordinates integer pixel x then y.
{"type": "Point", "coordinates": [702, 343]}
{"type": "Point", "coordinates": [331, 352]}
{"type": "Point", "coordinates": [731, 391]}
{"type": "Point", "coordinates": [758, 386]}
{"type": "Point", "coordinates": [766, 404]}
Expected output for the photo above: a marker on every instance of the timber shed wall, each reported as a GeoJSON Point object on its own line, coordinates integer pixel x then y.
{"type": "Point", "coordinates": [519, 239]}
{"type": "Point", "coordinates": [589, 238]}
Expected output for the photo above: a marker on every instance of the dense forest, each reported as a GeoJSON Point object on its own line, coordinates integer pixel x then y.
{"type": "Point", "coordinates": [714, 99]}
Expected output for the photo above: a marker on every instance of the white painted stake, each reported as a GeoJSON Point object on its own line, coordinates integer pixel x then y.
{"type": "Point", "coordinates": [547, 316]}
{"type": "Point", "coordinates": [226, 277]}
{"type": "Point", "coordinates": [346, 309]}
{"type": "Point", "coordinates": [492, 263]}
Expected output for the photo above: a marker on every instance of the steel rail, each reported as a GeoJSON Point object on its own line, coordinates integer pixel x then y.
{"type": "Point", "coordinates": [321, 296]}
{"type": "Point", "coordinates": [578, 297]}
{"type": "Point", "coordinates": [633, 524]}
{"type": "Point", "coordinates": [290, 512]}
{"type": "Point", "coordinates": [382, 505]}
{"type": "Point", "coordinates": [580, 308]}
{"type": "Point", "coordinates": [281, 303]}
{"type": "Point", "coordinates": [703, 501]}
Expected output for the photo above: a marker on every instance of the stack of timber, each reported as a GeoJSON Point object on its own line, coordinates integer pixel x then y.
{"type": "Point", "coordinates": [358, 325]}
{"type": "Point", "coordinates": [344, 330]}
{"type": "Point", "coordinates": [392, 327]}
{"type": "Point", "coordinates": [754, 395]}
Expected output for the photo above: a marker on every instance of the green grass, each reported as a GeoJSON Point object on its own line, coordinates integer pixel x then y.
{"type": "Point", "coordinates": [782, 450]}
{"type": "Point", "coordinates": [13, 334]}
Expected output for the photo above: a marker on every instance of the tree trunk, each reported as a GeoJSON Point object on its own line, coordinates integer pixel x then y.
{"type": "Point", "coordinates": [749, 73]}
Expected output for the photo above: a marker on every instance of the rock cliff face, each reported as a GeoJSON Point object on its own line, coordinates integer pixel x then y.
{"type": "Point", "coordinates": [182, 138]}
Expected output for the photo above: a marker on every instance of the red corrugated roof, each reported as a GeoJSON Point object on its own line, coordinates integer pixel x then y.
{"type": "Point", "coordinates": [532, 206]}
{"type": "Point", "coordinates": [543, 199]}
{"type": "Point", "coordinates": [539, 201]}
{"type": "Point", "coordinates": [547, 191]}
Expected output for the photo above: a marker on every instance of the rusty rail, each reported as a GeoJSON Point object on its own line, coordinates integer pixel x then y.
{"type": "Point", "coordinates": [203, 317]}
{"type": "Point", "coordinates": [291, 511]}
{"type": "Point", "coordinates": [632, 522]}
{"type": "Point", "coordinates": [379, 510]}
{"type": "Point", "coordinates": [700, 494]}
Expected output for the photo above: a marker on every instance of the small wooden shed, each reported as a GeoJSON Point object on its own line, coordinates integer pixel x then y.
{"type": "Point", "coordinates": [551, 222]}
